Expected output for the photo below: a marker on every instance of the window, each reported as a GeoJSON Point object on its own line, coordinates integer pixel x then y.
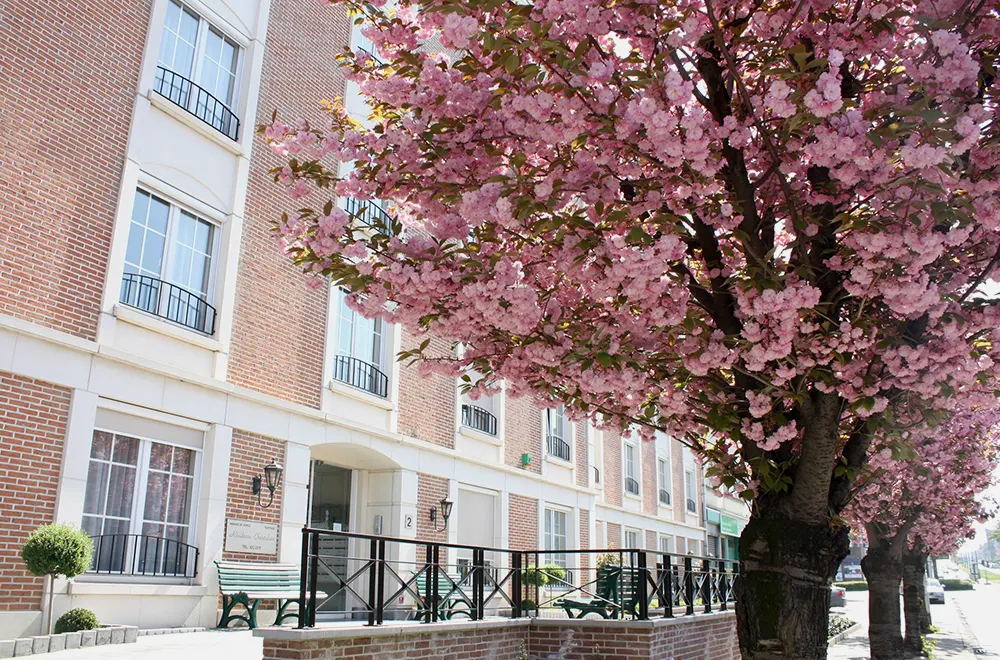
{"type": "Point", "coordinates": [595, 455]}
{"type": "Point", "coordinates": [631, 469]}
{"type": "Point", "coordinates": [663, 471]}
{"type": "Point", "coordinates": [689, 486]}
{"type": "Point", "coordinates": [556, 433]}
{"type": "Point", "coordinates": [360, 350]}
{"type": "Point", "coordinates": [556, 535]}
{"type": "Point", "coordinates": [666, 544]}
{"type": "Point", "coordinates": [138, 506]}
{"type": "Point", "coordinates": [198, 68]}
{"type": "Point", "coordinates": [480, 414]}
{"type": "Point", "coordinates": [169, 263]}
{"type": "Point", "coordinates": [632, 539]}
{"type": "Point", "coordinates": [712, 546]}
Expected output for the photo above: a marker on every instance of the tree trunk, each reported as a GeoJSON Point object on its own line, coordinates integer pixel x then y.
{"type": "Point", "coordinates": [915, 600]}
{"type": "Point", "coordinates": [783, 597]}
{"type": "Point", "coordinates": [884, 571]}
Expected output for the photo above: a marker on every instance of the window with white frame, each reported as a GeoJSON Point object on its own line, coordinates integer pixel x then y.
{"type": "Point", "coordinates": [199, 68]}
{"type": "Point", "coordinates": [557, 433]}
{"type": "Point", "coordinates": [595, 453]}
{"type": "Point", "coordinates": [630, 465]}
{"type": "Point", "coordinates": [666, 543]}
{"type": "Point", "coordinates": [689, 491]}
{"type": "Point", "coordinates": [663, 473]}
{"type": "Point", "coordinates": [480, 414]}
{"type": "Point", "coordinates": [632, 539]}
{"type": "Point", "coordinates": [170, 263]}
{"type": "Point", "coordinates": [360, 350]}
{"type": "Point", "coordinates": [556, 542]}
{"type": "Point", "coordinates": [138, 506]}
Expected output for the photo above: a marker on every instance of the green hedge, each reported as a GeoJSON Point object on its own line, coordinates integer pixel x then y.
{"type": "Point", "coordinates": [857, 585]}
{"type": "Point", "coordinates": [838, 624]}
{"type": "Point", "coordinates": [957, 585]}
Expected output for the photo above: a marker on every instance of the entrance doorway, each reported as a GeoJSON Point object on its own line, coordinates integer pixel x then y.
{"type": "Point", "coordinates": [330, 508]}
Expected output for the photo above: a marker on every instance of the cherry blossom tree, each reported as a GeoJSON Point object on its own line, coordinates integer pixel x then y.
{"type": "Point", "coordinates": [915, 499]}
{"type": "Point", "coordinates": [751, 224]}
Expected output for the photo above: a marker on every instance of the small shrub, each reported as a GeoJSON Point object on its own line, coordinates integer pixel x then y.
{"type": "Point", "coordinates": [608, 559]}
{"type": "Point", "coordinates": [957, 585]}
{"type": "Point", "coordinates": [76, 620]}
{"type": "Point", "coordinates": [838, 624]}
{"type": "Point", "coordinates": [58, 549]}
{"type": "Point", "coordinates": [855, 585]}
{"type": "Point", "coordinates": [540, 576]}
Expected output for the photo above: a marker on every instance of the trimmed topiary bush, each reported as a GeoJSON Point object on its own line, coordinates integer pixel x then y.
{"type": "Point", "coordinates": [76, 620]}
{"type": "Point", "coordinates": [957, 585]}
{"type": "Point", "coordinates": [855, 585]}
{"type": "Point", "coordinates": [540, 576]}
{"type": "Point", "coordinates": [58, 549]}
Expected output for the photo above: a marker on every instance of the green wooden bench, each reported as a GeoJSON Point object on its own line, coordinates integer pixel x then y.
{"type": "Point", "coordinates": [247, 584]}
{"type": "Point", "coordinates": [617, 590]}
{"type": "Point", "coordinates": [451, 601]}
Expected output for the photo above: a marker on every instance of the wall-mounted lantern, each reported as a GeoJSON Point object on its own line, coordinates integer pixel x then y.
{"type": "Point", "coordinates": [446, 506]}
{"type": "Point", "coordinates": [272, 478]}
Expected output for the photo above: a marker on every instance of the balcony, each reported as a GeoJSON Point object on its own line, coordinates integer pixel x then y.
{"type": "Point", "coordinates": [664, 497]}
{"type": "Point", "coordinates": [168, 301]}
{"type": "Point", "coordinates": [370, 214]}
{"type": "Point", "coordinates": [692, 507]}
{"type": "Point", "coordinates": [480, 419]}
{"type": "Point", "coordinates": [193, 99]}
{"type": "Point", "coordinates": [137, 554]}
{"type": "Point", "coordinates": [557, 447]}
{"type": "Point", "coordinates": [631, 486]}
{"type": "Point", "coordinates": [360, 374]}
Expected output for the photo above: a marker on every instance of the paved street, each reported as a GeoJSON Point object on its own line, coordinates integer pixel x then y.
{"type": "Point", "coordinates": [967, 625]}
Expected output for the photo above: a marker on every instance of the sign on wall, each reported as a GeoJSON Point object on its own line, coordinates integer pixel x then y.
{"type": "Point", "coordinates": [251, 536]}
{"type": "Point", "coordinates": [731, 526]}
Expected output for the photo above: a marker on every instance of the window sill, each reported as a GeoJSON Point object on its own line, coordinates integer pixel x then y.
{"type": "Point", "coordinates": [144, 320]}
{"type": "Point", "coordinates": [661, 505]}
{"type": "Point", "coordinates": [555, 460]}
{"type": "Point", "coordinates": [628, 495]}
{"type": "Point", "coordinates": [132, 586]}
{"type": "Point", "coordinates": [470, 432]}
{"type": "Point", "coordinates": [359, 395]}
{"type": "Point", "coordinates": [180, 114]}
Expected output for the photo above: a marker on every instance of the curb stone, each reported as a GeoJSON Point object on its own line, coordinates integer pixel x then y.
{"type": "Point", "coordinates": [839, 637]}
{"type": "Point", "coordinates": [39, 644]}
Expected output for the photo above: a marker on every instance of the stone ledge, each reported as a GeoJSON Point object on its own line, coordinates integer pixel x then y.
{"type": "Point", "coordinates": [16, 648]}
{"type": "Point", "coordinates": [388, 630]}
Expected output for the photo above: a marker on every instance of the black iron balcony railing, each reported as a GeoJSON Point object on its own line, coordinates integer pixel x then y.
{"type": "Point", "coordinates": [199, 102]}
{"type": "Point", "coordinates": [137, 554]}
{"type": "Point", "coordinates": [631, 486]}
{"type": "Point", "coordinates": [556, 446]}
{"type": "Point", "coordinates": [369, 213]}
{"type": "Point", "coordinates": [692, 506]}
{"type": "Point", "coordinates": [479, 419]}
{"type": "Point", "coordinates": [664, 496]}
{"type": "Point", "coordinates": [360, 374]}
{"type": "Point", "coordinates": [168, 301]}
{"type": "Point", "coordinates": [597, 475]}
{"type": "Point", "coordinates": [380, 578]}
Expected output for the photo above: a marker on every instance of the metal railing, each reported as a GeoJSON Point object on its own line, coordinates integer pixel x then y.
{"type": "Point", "coordinates": [664, 496]}
{"type": "Point", "coordinates": [556, 446]}
{"type": "Point", "coordinates": [138, 554]}
{"type": "Point", "coordinates": [360, 374]}
{"type": "Point", "coordinates": [692, 506]}
{"type": "Point", "coordinates": [168, 301]}
{"type": "Point", "coordinates": [370, 214]}
{"type": "Point", "coordinates": [597, 475]}
{"type": "Point", "coordinates": [631, 486]}
{"type": "Point", "coordinates": [348, 576]}
{"type": "Point", "coordinates": [199, 102]}
{"type": "Point", "coordinates": [479, 419]}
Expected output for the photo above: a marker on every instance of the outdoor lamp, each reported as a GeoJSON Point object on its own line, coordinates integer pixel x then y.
{"type": "Point", "coordinates": [272, 478]}
{"type": "Point", "coordinates": [446, 505]}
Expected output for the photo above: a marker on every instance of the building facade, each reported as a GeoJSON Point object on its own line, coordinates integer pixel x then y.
{"type": "Point", "coordinates": [157, 351]}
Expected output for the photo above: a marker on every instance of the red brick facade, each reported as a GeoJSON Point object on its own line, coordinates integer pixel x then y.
{"type": "Point", "coordinates": [613, 535]}
{"type": "Point", "coordinates": [279, 329]}
{"type": "Point", "coordinates": [582, 455]}
{"type": "Point", "coordinates": [250, 453]}
{"type": "Point", "coordinates": [430, 491]}
{"type": "Point", "coordinates": [70, 72]}
{"type": "Point", "coordinates": [613, 489]}
{"type": "Point", "coordinates": [523, 433]}
{"type": "Point", "coordinates": [427, 404]}
{"type": "Point", "coordinates": [33, 416]}
{"type": "Point", "coordinates": [647, 453]}
{"type": "Point", "coordinates": [523, 523]}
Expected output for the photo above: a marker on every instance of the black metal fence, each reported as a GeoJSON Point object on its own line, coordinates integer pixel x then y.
{"type": "Point", "coordinates": [556, 446]}
{"type": "Point", "coordinates": [360, 374]}
{"type": "Point", "coordinates": [369, 213]}
{"type": "Point", "coordinates": [479, 419]}
{"type": "Point", "coordinates": [197, 101]}
{"type": "Point", "coordinates": [168, 301]}
{"type": "Point", "coordinates": [347, 576]}
{"type": "Point", "coordinates": [138, 554]}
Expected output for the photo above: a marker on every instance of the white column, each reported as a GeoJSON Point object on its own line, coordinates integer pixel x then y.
{"type": "Point", "coordinates": [76, 457]}
{"type": "Point", "coordinates": [294, 502]}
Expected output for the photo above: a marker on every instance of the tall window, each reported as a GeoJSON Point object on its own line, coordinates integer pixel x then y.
{"type": "Point", "coordinates": [169, 263]}
{"type": "Point", "coordinates": [360, 350]}
{"type": "Point", "coordinates": [712, 546]}
{"type": "Point", "coordinates": [480, 414]}
{"type": "Point", "coordinates": [663, 472]}
{"type": "Point", "coordinates": [138, 505]}
{"type": "Point", "coordinates": [632, 539]}
{"type": "Point", "coordinates": [689, 491]}
{"type": "Point", "coordinates": [556, 540]}
{"type": "Point", "coordinates": [199, 52]}
{"type": "Point", "coordinates": [666, 544]}
{"type": "Point", "coordinates": [631, 467]}
{"type": "Point", "coordinates": [556, 427]}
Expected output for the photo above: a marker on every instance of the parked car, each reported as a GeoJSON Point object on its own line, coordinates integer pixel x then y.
{"type": "Point", "coordinates": [935, 591]}
{"type": "Point", "coordinates": [838, 596]}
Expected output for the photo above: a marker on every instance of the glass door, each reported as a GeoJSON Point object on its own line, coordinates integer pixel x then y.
{"type": "Point", "coordinates": [330, 508]}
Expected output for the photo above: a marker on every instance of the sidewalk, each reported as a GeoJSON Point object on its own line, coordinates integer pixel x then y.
{"type": "Point", "coordinates": [948, 644]}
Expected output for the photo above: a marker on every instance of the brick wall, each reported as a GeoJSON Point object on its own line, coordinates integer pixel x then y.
{"type": "Point", "coordinates": [69, 72]}
{"type": "Point", "coordinates": [522, 523]}
{"type": "Point", "coordinates": [650, 487]}
{"type": "Point", "coordinates": [427, 404]}
{"type": "Point", "coordinates": [651, 541]}
{"type": "Point", "coordinates": [430, 491]}
{"type": "Point", "coordinates": [582, 457]}
{"type": "Point", "coordinates": [33, 418]}
{"type": "Point", "coordinates": [613, 490]}
{"type": "Point", "coordinates": [279, 328]}
{"type": "Point", "coordinates": [613, 535]}
{"type": "Point", "coordinates": [523, 433]}
{"type": "Point", "coordinates": [677, 473]}
{"type": "Point", "coordinates": [584, 559]}
{"type": "Point", "coordinates": [250, 453]}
